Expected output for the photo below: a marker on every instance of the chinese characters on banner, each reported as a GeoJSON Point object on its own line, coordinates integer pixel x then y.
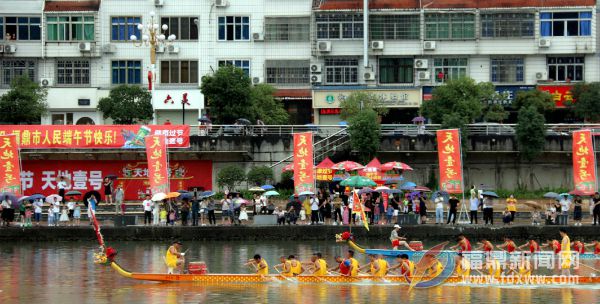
{"type": "Point", "coordinates": [10, 166]}
{"type": "Point", "coordinates": [448, 142]}
{"type": "Point", "coordinates": [324, 174]}
{"type": "Point", "coordinates": [303, 162]}
{"type": "Point", "coordinates": [95, 137]}
{"type": "Point", "coordinates": [584, 162]}
{"type": "Point", "coordinates": [560, 94]}
{"type": "Point", "coordinates": [156, 153]}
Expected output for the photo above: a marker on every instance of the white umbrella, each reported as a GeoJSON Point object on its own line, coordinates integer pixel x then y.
{"type": "Point", "coordinates": [159, 196]}
{"type": "Point", "coordinates": [256, 189]}
{"type": "Point", "coordinates": [50, 198]}
{"type": "Point", "coordinates": [382, 189]}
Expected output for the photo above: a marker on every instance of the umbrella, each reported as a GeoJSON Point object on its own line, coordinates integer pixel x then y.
{"type": "Point", "coordinates": [23, 198]}
{"type": "Point", "coordinates": [185, 195]}
{"type": "Point", "coordinates": [183, 191]}
{"type": "Point", "coordinates": [490, 193]}
{"type": "Point", "coordinates": [418, 119]}
{"type": "Point", "coordinates": [288, 167]}
{"type": "Point", "coordinates": [11, 197]}
{"type": "Point", "coordinates": [50, 198]}
{"type": "Point", "coordinates": [347, 166]}
{"type": "Point", "coordinates": [173, 195]}
{"type": "Point", "coordinates": [271, 193]}
{"type": "Point", "coordinates": [358, 182]}
{"type": "Point", "coordinates": [204, 119]}
{"type": "Point", "coordinates": [89, 194]}
{"type": "Point", "coordinates": [422, 189]}
{"type": "Point", "coordinates": [256, 189]}
{"type": "Point", "coordinates": [241, 201]}
{"type": "Point", "coordinates": [365, 190]}
{"type": "Point", "coordinates": [578, 192]}
{"type": "Point", "coordinates": [243, 121]}
{"type": "Point", "coordinates": [531, 204]}
{"type": "Point", "coordinates": [73, 193]}
{"type": "Point", "coordinates": [395, 165]}
{"type": "Point", "coordinates": [306, 193]}
{"type": "Point", "coordinates": [337, 179]}
{"type": "Point", "coordinates": [394, 191]}
{"type": "Point", "coordinates": [267, 187]}
{"type": "Point", "coordinates": [382, 189]}
{"type": "Point", "coordinates": [393, 180]}
{"type": "Point", "coordinates": [159, 196]}
{"type": "Point", "coordinates": [551, 195]}
{"type": "Point", "coordinates": [443, 194]}
{"type": "Point", "coordinates": [112, 176]}
{"type": "Point", "coordinates": [408, 186]}
{"type": "Point", "coordinates": [343, 123]}
{"type": "Point", "coordinates": [566, 195]}
{"type": "Point", "coordinates": [207, 194]}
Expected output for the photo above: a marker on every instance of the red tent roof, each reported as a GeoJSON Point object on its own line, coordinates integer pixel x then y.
{"type": "Point", "coordinates": [325, 164]}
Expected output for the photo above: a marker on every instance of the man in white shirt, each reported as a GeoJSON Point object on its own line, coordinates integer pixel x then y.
{"type": "Point", "coordinates": [71, 208]}
{"type": "Point", "coordinates": [439, 210]}
{"type": "Point", "coordinates": [37, 211]}
{"type": "Point", "coordinates": [147, 203]}
{"type": "Point", "coordinates": [314, 210]}
{"type": "Point", "coordinates": [473, 204]}
{"type": "Point", "coordinates": [56, 211]}
{"type": "Point", "coordinates": [61, 185]}
{"type": "Point", "coordinates": [565, 204]}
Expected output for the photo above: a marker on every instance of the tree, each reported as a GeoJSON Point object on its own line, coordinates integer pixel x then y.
{"type": "Point", "coordinates": [496, 113]}
{"type": "Point", "coordinates": [260, 175]}
{"type": "Point", "coordinates": [127, 105]}
{"type": "Point", "coordinates": [228, 94]}
{"type": "Point", "coordinates": [587, 101]}
{"type": "Point", "coordinates": [266, 107]}
{"type": "Point", "coordinates": [542, 101]}
{"type": "Point", "coordinates": [531, 132]}
{"type": "Point", "coordinates": [230, 176]}
{"type": "Point", "coordinates": [358, 101]}
{"type": "Point", "coordinates": [365, 133]}
{"type": "Point", "coordinates": [25, 102]}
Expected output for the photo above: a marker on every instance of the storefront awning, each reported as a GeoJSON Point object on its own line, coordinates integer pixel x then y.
{"type": "Point", "coordinates": [293, 94]}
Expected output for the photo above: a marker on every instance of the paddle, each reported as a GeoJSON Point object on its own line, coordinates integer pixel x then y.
{"type": "Point", "coordinates": [590, 267]}
{"type": "Point", "coordinates": [280, 274]}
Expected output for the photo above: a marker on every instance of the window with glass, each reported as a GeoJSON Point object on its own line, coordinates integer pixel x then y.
{"type": "Point", "coordinates": [234, 28]}
{"type": "Point", "coordinates": [13, 68]}
{"type": "Point", "coordinates": [123, 27]}
{"type": "Point", "coordinates": [497, 25]}
{"type": "Point", "coordinates": [450, 26]}
{"type": "Point", "coordinates": [565, 24]}
{"type": "Point", "coordinates": [242, 64]}
{"type": "Point", "coordinates": [565, 68]}
{"type": "Point", "coordinates": [73, 72]}
{"type": "Point", "coordinates": [339, 26]}
{"type": "Point", "coordinates": [70, 28]}
{"type": "Point", "coordinates": [288, 72]}
{"type": "Point", "coordinates": [396, 70]}
{"type": "Point", "coordinates": [20, 28]}
{"type": "Point", "coordinates": [341, 71]}
{"type": "Point", "coordinates": [179, 71]}
{"type": "Point", "coordinates": [184, 28]}
{"type": "Point", "coordinates": [287, 28]}
{"type": "Point", "coordinates": [508, 69]}
{"type": "Point", "coordinates": [445, 69]}
{"type": "Point", "coordinates": [126, 72]}
{"type": "Point", "coordinates": [395, 27]}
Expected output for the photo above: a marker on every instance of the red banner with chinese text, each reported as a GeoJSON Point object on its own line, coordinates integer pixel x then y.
{"type": "Point", "coordinates": [448, 142]}
{"type": "Point", "coordinates": [560, 94]}
{"type": "Point", "coordinates": [584, 162]}
{"type": "Point", "coordinates": [303, 162]}
{"type": "Point", "coordinates": [10, 165]}
{"type": "Point", "coordinates": [156, 154]}
{"type": "Point", "coordinates": [95, 137]}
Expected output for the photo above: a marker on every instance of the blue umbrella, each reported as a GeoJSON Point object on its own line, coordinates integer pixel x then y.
{"type": "Point", "coordinates": [343, 123]}
{"type": "Point", "coordinates": [443, 194]}
{"type": "Point", "coordinates": [185, 195]}
{"type": "Point", "coordinates": [394, 191]}
{"type": "Point", "coordinates": [271, 193]}
{"type": "Point", "coordinates": [490, 193]}
{"type": "Point", "coordinates": [337, 179]}
{"type": "Point", "coordinates": [182, 191]}
{"type": "Point", "coordinates": [408, 186]}
{"type": "Point", "coordinates": [267, 187]}
{"type": "Point", "coordinates": [207, 193]}
{"type": "Point", "coordinates": [365, 190]}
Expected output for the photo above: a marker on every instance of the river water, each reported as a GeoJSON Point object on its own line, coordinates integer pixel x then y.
{"type": "Point", "coordinates": [65, 273]}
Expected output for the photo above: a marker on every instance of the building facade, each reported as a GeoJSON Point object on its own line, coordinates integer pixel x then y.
{"type": "Point", "coordinates": [315, 53]}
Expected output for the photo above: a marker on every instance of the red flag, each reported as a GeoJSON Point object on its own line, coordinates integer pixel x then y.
{"type": "Point", "coordinates": [158, 173]}
{"type": "Point", "coordinates": [304, 179]}
{"type": "Point", "coordinates": [450, 160]}
{"type": "Point", "coordinates": [357, 207]}
{"type": "Point", "coordinates": [584, 162]}
{"type": "Point", "coordinates": [10, 165]}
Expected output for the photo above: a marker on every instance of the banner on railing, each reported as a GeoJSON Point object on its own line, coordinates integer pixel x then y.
{"type": "Point", "coordinates": [10, 165]}
{"type": "Point", "coordinates": [584, 162]}
{"type": "Point", "coordinates": [95, 137]}
{"type": "Point", "coordinates": [303, 163]}
{"type": "Point", "coordinates": [156, 153]}
{"type": "Point", "coordinates": [449, 155]}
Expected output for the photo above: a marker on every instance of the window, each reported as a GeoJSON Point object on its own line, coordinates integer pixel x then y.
{"type": "Point", "coordinates": [450, 26]}
{"type": "Point", "coordinates": [339, 26]}
{"type": "Point", "coordinates": [184, 28]}
{"type": "Point", "coordinates": [396, 70]}
{"type": "Point", "coordinates": [507, 24]}
{"type": "Point", "coordinates": [445, 69]}
{"type": "Point", "coordinates": [123, 27]}
{"type": "Point", "coordinates": [233, 28]}
{"type": "Point", "coordinates": [287, 29]}
{"type": "Point", "coordinates": [397, 27]}
{"type": "Point", "coordinates": [20, 28]}
{"type": "Point", "coordinates": [288, 72]}
{"type": "Point", "coordinates": [73, 72]}
{"type": "Point", "coordinates": [70, 28]}
{"type": "Point", "coordinates": [566, 24]}
{"type": "Point", "coordinates": [507, 69]}
{"type": "Point", "coordinates": [179, 71]}
{"type": "Point", "coordinates": [565, 68]}
{"type": "Point", "coordinates": [12, 68]}
{"type": "Point", "coordinates": [127, 72]}
{"type": "Point", "coordinates": [242, 64]}
{"type": "Point", "coordinates": [341, 71]}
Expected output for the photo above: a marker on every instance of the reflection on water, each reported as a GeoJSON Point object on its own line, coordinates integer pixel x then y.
{"type": "Point", "coordinates": [64, 272]}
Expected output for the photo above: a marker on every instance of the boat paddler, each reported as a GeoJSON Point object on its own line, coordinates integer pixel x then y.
{"type": "Point", "coordinates": [485, 245]}
{"type": "Point", "coordinates": [595, 245]}
{"type": "Point", "coordinates": [463, 243]}
{"type": "Point", "coordinates": [552, 244]}
{"type": "Point", "coordinates": [319, 264]}
{"type": "Point", "coordinates": [397, 240]}
{"type": "Point", "coordinates": [533, 246]}
{"type": "Point", "coordinates": [524, 266]}
{"type": "Point", "coordinates": [289, 267]}
{"type": "Point", "coordinates": [377, 267]}
{"type": "Point", "coordinates": [406, 266]}
{"type": "Point", "coordinates": [565, 245]}
{"type": "Point", "coordinates": [343, 266]}
{"type": "Point", "coordinates": [435, 266]}
{"type": "Point", "coordinates": [354, 265]}
{"type": "Point", "coordinates": [260, 265]}
{"type": "Point", "coordinates": [174, 258]}
{"type": "Point", "coordinates": [508, 245]}
{"type": "Point", "coordinates": [463, 266]}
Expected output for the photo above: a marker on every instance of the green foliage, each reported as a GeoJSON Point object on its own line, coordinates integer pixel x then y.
{"type": "Point", "coordinates": [228, 94]}
{"type": "Point", "coordinates": [266, 107]}
{"type": "Point", "coordinates": [127, 105]}
{"type": "Point", "coordinates": [25, 102]}
{"type": "Point", "coordinates": [542, 101]}
{"type": "Point", "coordinates": [496, 113]}
{"type": "Point", "coordinates": [286, 181]}
{"type": "Point", "coordinates": [230, 176]}
{"type": "Point", "coordinates": [432, 181]}
{"type": "Point", "coordinates": [356, 101]}
{"type": "Point", "coordinates": [531, 132]}
{"type": "Point", "coordinates": [260, 175]}
{"type": "Point", "coordinates": [587, 105]}
{"type": "Point", "coordinates": [364, 130]}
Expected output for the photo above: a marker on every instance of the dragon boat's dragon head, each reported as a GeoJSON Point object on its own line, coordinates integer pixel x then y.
{"type": "Point", "coordinates": [105, 256]}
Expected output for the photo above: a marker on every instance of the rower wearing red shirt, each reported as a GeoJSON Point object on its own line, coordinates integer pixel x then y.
{"type": "Point", "coordinates": [578, 247]}
{"type": "Point", "coordinates": [554, 245]}
{"type": "Point", "coordinates": [533, 246]}
{"type": "Point", "coordinates": [463, 243]}
{"type": "Point", "coordinates": [595, 245]}
{"type": "Point", "coordinates": [508, 245]}
{"type": "Point", "coordinates": [485, 245]}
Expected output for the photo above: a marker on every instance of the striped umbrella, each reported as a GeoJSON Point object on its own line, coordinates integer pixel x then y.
{"type": "Point", "coordinates": [395, 165]}
{"type": "Point", "coordinates": [347, 166]}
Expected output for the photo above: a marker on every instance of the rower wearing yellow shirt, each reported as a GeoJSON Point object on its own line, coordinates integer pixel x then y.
{"type": "Point", "coordinates": [435, 269]}
{"type": "Point", "coordinates": [319, 266]}
{"type": "Point", "coordinates": [354, 265]}
{"type": "Point", "coordinates": [259, 264]}
{"type": "Point", "coordinates": [406, 266]}
{"type": "Point", "coordinates": [382, 266]}
{"type": "Point", "coordinates": [376, 268]}
{"type": "Point", "coordinates": [289, 267]}
{"type": "Point", "coordinates": [174, 258]}
{"type": "Point", "coordinates": [463, 266]}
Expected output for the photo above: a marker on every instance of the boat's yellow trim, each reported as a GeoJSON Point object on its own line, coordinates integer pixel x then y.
{"type": "Point", "coordinates": [120, 270]}
{"type": "Point", "coordinates": [356, 247]}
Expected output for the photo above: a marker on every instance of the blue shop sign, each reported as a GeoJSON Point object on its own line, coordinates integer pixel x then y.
{"type": "Point", "coordinates": [509, 94]}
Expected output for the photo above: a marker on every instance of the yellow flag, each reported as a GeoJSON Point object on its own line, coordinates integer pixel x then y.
{"type": "Point", "coordinates": [357, 207]}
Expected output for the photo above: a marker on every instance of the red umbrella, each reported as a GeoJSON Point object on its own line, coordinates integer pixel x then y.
{"type": "Point", "coordinates": [579, 192]}
{"type": "Point", "coordinates": [395, 165]}
{"type": "Point", "coordinates": [347, 166]}
{"type": "Point", "coordinates": [288, 167]}
{"type": "Point", "coordinates": [422, 189]}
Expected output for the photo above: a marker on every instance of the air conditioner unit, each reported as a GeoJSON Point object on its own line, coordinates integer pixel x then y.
{"type": "Point", "coordinates": [85, 47]}
{"type": "Point", "coordinates": [316, 78]}
{"type": "Point", "coordinates": [256, 80]}
{"type": "Point", "coordinates": [10, 48]}
{"type": "Point", "coordinates": [424, 75]}
{"type": "Point", "coordinates": [221, 3]}
{"type": "Point", "coordinates": [160, 49]}
{"type": "Point", "coordinates": [324, 46]}
{"type": "Point", "coordinates": [369, 76]}
{"type": "Point", "coordinates": [46, 82]}
{"type": "Point", "coordinates": [159, 2]}
{"type": "Point", "coordinates": [544, 43]}
{"type": "Point", "coordinates": [173, 49]}
{"type": "Point", "coordinates": [258, 36]}
{"type": "Point", "coordinates": [421, 64]}
{"type": "Point", "coordinates": [429, 45]}
{"type": "Point", "coordinates": [541, 76]}
{"type": "Point", "coordinates": [315, 68]}
{"type": "Point", "coordinates": [109, 48]}
{"type": "Point", "coordinates": [377, 45]}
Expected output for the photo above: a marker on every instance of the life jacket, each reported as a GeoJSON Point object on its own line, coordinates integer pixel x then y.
{"type": "Point", "coordinates": [556, 246]}
{"type": "Point", "coordinates": [383, 265]}
{"type": "Point", "coordinates": [355, 267]}
{"type": "Point", "coordinates": [534, 246]}
{"type": "Point", "coordinates": [322, 268]}
{"type": "Point", "coordinates": [597, 248]}
{"type": "Point", "coordinates": [345, 270]}
{"type": "Point", "coordinates": [295, 269]}
{"type": "Point", "coordinates": [407, 268]}
{"type": "Point", "coordinates": [263, 271]}
{"type": "Point", "coordinates": [510, 246]}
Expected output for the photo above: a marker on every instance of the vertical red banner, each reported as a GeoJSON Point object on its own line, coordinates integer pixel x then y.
{"type": "Point", "coordinates": [303, 162]}
{"type": "Point", "coordinates": [584, 162]}
{"type": "Point", "coordinates": [10, 165]}
{"type": "Point", "coordinates": [158, 168]}
{"type": "Point", "coordinates": [448, 142]}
